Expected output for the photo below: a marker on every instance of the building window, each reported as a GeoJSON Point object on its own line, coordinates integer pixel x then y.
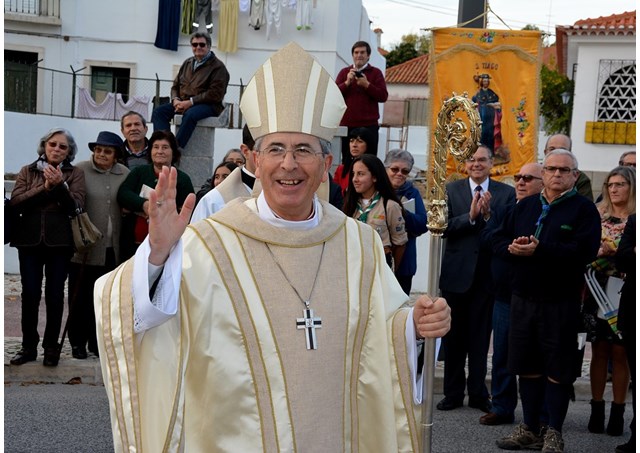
{"type": "Point", "coordinates": [20, 81]}
{"type": "Point", "coordinates": [616, 91]}
{"type": "Point", "coordinates": [109, 80]}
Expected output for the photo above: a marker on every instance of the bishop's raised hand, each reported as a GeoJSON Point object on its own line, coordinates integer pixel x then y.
{"type": "Point", "coordinates": [166, 225]}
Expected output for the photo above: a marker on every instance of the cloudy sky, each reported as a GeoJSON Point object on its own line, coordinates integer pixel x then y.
{"type": "Point", "coordinates": [399, 17]}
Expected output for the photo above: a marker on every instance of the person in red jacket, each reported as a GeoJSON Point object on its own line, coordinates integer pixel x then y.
{"type": "Point", "coordinates": [363, 87]}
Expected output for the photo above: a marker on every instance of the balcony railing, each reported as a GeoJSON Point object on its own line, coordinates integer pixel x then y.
{"type": "Point", "coordinates": [39, 11]}
{"type": "Point", "coordinates": [44, 91]}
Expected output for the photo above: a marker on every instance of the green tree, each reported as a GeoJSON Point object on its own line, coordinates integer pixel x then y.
{"type": "Point", "coordinates": [410, 46]}
{"type": "Point", "coordinates": [545, 36]}
{"type": "Point", "coordinates": [556, 114]}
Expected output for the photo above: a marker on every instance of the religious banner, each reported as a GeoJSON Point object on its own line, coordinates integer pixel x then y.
{"type": "Point", "coordinates": [500, 71]}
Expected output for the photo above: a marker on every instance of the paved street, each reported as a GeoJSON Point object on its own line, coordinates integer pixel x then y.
{"type": "Point", "coordinates": [45, 412]}
{"type": "Point", "coordinates": [58, 418]}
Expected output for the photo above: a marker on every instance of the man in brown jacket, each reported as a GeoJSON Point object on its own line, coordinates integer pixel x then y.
{"type": "Point", "coordinates": [197, 91]}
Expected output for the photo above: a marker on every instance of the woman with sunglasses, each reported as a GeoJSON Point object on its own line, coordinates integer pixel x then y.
{"type": "Point", "coordinates": [45, 195]}
{"type": "Point", "coordinates": [371, 199]}
{"type": "Point", "coordinates": [399, 164]}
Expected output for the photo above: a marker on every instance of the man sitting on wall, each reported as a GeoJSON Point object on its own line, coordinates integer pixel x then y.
{"type": "Point", "coordinates": [197, 92]}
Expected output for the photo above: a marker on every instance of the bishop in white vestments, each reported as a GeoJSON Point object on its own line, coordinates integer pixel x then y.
{"type": "Point", "coordinates": [275, 324]}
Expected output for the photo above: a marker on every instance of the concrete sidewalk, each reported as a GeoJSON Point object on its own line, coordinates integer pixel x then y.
{"type": "Point", "coordinates": [88, 370]}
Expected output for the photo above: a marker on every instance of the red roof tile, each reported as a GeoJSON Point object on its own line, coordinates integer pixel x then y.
{"type": "Point", "coordinates": [623, 24]}
{"type": "Point", "coordinates": [414, 72]}
{"type": "Point", "coordinates": [626, 19]}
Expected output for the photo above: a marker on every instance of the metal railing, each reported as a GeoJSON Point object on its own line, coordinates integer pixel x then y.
{"type": "Point", "coordinates": [44, 91]}
{"type": "Point", "coordinates": [40, 8]}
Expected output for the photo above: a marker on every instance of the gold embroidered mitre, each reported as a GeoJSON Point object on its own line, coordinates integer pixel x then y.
{"type": "Point", "coordinates": [292, 92]}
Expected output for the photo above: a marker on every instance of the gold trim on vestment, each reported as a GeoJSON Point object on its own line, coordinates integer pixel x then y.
{"type": "Point", "coordinates": [211, 240]}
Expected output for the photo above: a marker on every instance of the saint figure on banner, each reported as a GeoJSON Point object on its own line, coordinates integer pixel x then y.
{"type": "Point", "coordinates": [490, 111]}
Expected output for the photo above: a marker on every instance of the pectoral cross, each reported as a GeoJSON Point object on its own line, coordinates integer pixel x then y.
{"type": "Point", "coordinates": [310, 324]}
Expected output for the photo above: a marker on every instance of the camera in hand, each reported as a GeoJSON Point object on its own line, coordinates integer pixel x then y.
{"type": "Point", "coordinates": [359, 74]}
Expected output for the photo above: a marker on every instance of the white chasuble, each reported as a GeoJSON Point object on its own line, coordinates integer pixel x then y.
{"type": "Point", "coordinates": [232, 372]}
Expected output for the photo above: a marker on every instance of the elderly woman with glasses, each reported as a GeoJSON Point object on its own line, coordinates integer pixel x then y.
{"type": "Point", "coordinates": [45, 195]}
{"type": "Point", "coordinates": [618, 203]}
{"type": "Point", "coordinates": [399, 164]}
{"type": "Point", "coordinates": [103, 176]}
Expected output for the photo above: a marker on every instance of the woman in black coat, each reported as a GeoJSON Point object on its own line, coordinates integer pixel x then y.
{"type": "Point", "coordinates": [45, 195]}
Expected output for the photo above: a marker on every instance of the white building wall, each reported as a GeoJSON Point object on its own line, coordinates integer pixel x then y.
{"type": "Point", "coordinates": [406, 91]}
{"type": "Point", "coordinates": [587, 51]}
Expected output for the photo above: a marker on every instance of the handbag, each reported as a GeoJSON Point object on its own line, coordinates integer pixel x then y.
{"type": "Point", "coordinates": [607, 298]}
{"type": "Point", "coordinates": [85, 233]}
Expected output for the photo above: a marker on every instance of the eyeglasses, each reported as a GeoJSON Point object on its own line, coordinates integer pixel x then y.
{"type": "Point", "coordinates": [301, 154]}
{"type": "Point", "coordinates": [617, 185]}
{"type": "Point", "coordinates": [62, 146]}
{"type": "Point", "coordinates": [103, 150]}
{"type": "Point", "coordinates": [480, 160]}
{"type": "Point", "coordinates": [236, 161]}
{"type": "Point", "coordinates": [198, 44]}
{"type": "Point", "coordinates": [395, 170]}
{"type": "Point", "coordinates": [525, 178]}
{"type": "Point", "coordinates": [626, 164]}
{"type": "Point", "coordinates": [562, 170]}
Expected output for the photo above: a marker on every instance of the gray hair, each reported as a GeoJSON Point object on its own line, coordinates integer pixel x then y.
{"type": "Point", "coordinates": [399, 155]}
{"type": "Point", "coordinates": [627, 153]}
{"type": "Point", "coordinates": [325, 145]}
{"type": "Point", "coordinates": [200, 34]}
{"type": "Point", "coordinates": [132, 113]}
{"type": "Point", "coordinates": [233, 150]}
{"type": "Point", "coordinates": [562, 152]}
{"type": "Point", "coordinates": [73, 148]}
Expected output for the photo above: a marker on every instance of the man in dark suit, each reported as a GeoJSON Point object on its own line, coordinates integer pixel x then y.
{"type": "Point", "coordinates": [466, 282]}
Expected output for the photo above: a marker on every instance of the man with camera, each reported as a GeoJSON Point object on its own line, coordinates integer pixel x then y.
{"type": "Point", "coordinates": [362, 87]}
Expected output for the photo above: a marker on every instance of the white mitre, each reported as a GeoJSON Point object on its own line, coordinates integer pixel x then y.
{"type": "Point", "coordinates": [292, 92]}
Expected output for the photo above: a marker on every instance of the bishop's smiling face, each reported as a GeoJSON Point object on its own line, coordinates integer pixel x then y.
{"type": "Point", "coordinates": [288, 184]}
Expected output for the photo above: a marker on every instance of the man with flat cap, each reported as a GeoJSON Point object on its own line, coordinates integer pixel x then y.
{"type": "Point", "coordinates": [283, 331]}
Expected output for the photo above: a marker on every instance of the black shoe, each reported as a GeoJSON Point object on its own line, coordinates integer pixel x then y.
{"type": "Point", "coordinates": [483, 404]}
{"type": "Point", "coordinates": [79, 352]}
{"type": "Point", "coordinates": [23, 356]}
{"type": "Point", "coordinates": [447, 404]}
{"type": "Point", "coordinates": [93, 348]}
{"type": "Point", "coordinates": [51, 356]}
{"type": "Point", "coordinates": [493, 419]}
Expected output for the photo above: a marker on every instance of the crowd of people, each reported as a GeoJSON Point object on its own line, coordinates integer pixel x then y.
{"type": "Point", "coordinates": [513, 264]}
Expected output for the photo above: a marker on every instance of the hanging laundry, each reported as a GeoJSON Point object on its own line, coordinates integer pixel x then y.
{"type": "Point", "coordinates": [303, 14]}
{"type": "Point", "coordinates": [273, 12]}
{"type": "Point", "coordinates": [228, 27]}
{"type": "Point", "coordinates": [168, 25]}
{"type": "Point", "coordinates": [256, 16]}
{"type": "Point", "coordinates": [112, 107]}
{"type": "Point", "coordinates": [188, 16]}
{"type": "Point", "coordinates": [203, 8]}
